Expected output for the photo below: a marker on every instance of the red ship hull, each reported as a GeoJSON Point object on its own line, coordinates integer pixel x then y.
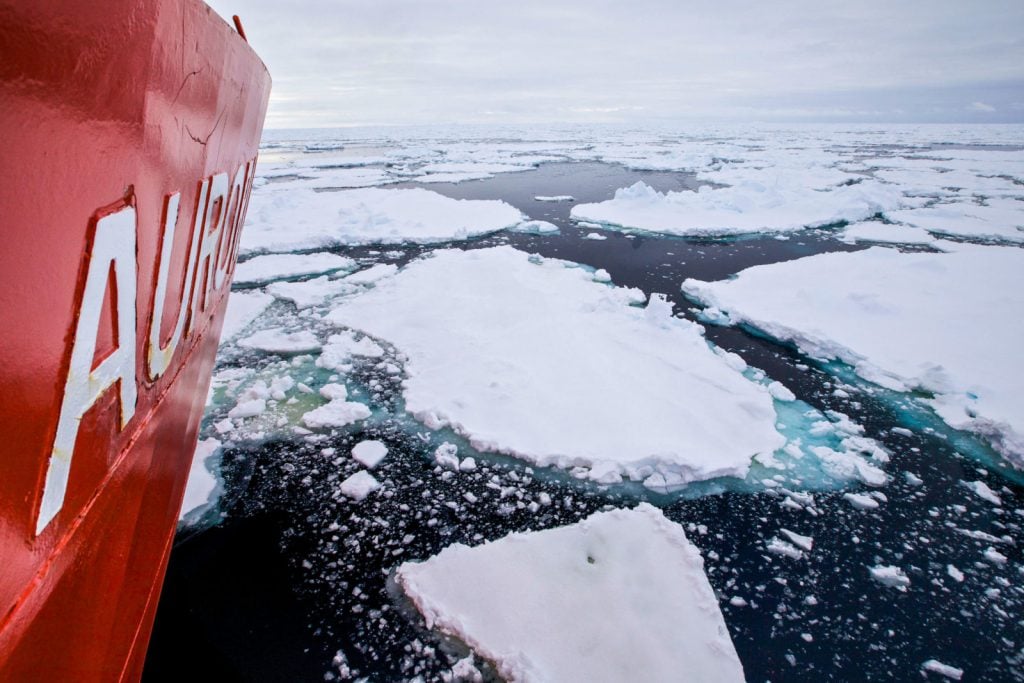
{"type": "Point", "coordinates": [130, 136]}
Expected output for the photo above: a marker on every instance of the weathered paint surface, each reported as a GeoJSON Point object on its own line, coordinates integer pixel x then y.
{"type": "Point", "coordinates": [130, 137]}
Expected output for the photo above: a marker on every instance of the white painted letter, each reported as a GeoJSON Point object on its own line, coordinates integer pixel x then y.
{"type": "Point", "coordinates": [114, 243]}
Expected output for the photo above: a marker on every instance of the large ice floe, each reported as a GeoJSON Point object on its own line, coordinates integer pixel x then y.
{"type": "Point", "coordinates": [620, 596]}
{"type": "Point", "coordinates": [747, 207]}
{"type": "Point", "coordinates": [949, 324]}
{"type": "Point", "coordinates": [537, 359]}
{"type": "Point", "coordinates": [299, 218]}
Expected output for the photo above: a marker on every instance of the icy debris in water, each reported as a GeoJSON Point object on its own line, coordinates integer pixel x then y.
{"type": "Point", "coordinates": [737, 601]}
{"type": "Point", "coordinates": [780, 392]}
{"type": "Point", "coordinates": [777, 546]}
{"type": "Point", "coordinates": [913, 479]}
{"type": "Point", "coordinates": [595, 236]}
{"type": "Point", "coordinates": [369, 453]}
{"type": "Point", "coordinates": [465, 671]}
{"type": "Point", "coordinates": [248, 408]}
{"type": "Point", "coordinates": [201, 482]}
{"type": "Point", "coordinates": [802, 542]}
{"type": "Point", "coordinates": [555, 198]}
{"type": "Point", "coordinates": [243, 308]}
{"type": "Point", "coordinates": [278, 340]}
{"type": "Point", "coordinates": [359, 485]}
{"type": "Point", "coordinates": [890, 576]}
{"type": "Point", "coordinates": [954, 573]}
{"type": "Point", "coordinates": [861, 501]}
{"type": "Point", "coordinates": [340, 348]}
{"type": "Point", "coordinates": [994, 556]}
{"type": "Point", "coordinates": [337, 412]}
{"type": "Point", "coordinates": [638, 605]}
{"type": "Point", "coordinates": [602, 275]}
{"type": "Point", "coordinates": [981, 489]}
{"type": "Point", "coordinates": [446, 455]}
{"type": "Point", "coordinates": [937, 667]}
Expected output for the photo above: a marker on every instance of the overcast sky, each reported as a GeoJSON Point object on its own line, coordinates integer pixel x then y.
{"type": "Point", "coordinates": [369, 62]}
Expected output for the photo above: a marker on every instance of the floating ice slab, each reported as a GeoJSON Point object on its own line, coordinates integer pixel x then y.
{"type": "Point", "coordinates": [876, 231]}
{"type": "Point", "coordinates": [533, 358]}
{"type": "Point", "coordinates": [947, 323]}
{"type": "Point", "coordinates": [304, 219]}
{"type": "Point", "coordinates": [262, 269]}
{"type": "Point", "coordinates": [620, 596]}
{"type": "Point", "coordinates": [997, 219]}
{"type": "Point", "coordinates": [744, 208]}
{"type": "Point", "coordinates": [279, 340]}
{"type": "Point", "coordinates": [310, 292]}
{"type": "Point", "coordinates": [369, 453]}
{"type": "Point", "coordinates": [243, 308]}
{"type": "Point", "coordinates": [201, 482]}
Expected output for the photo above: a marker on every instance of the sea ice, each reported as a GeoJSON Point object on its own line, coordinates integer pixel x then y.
{"type": "Point", "coordinates": [946, 323]}
{"type": "Point", "coordinates": [532, 358]}
{"type": "Point", "coordinates": [201, 482]}
{"type": "Point", "coordinates": [303, 219]}
{"type": "Point", "coordinates": [261, 269]}
{"type": "Point", "coordinates": [619, 596]}
{"type": "Point", "coordinates": [369, 453]}
{"type": "Point", "coordinates": [935, 666]}
{"type": "Point", "coordinates": [310, 292]}
{"type": "Point", "coordinates": [746, 208]}
{"type": "Point", "coordinates": [279, 340]}
{"type": "Point", "coordinates": [243, 308]}
{"type": "Point", "coordinates": [891, 576]}
{"type": "Point", "coordinates": [359, 485]}
{"type": "Point", "coordinates": [337, 412]}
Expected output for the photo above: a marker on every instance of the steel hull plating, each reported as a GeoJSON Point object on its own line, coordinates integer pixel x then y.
{"type": "Point", "coordinates": [130, 136]}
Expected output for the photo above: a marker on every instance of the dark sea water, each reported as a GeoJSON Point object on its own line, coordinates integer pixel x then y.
{"type": "Point", "coordinates": [293, 573]}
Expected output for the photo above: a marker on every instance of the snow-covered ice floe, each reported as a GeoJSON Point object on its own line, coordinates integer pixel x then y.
{"type": "Point", "coordinates": [201, 481]}
{"type": "Point", "coordinates": [748, 207]}
{"type": "Point", "coordinates": [546, 361]}
{"type": "Point", "coordinates": [945, 323]}
{"type": "Point", "coordinates": [270, 267]}
{"type": "Point", "coordinates": [300, 218]}
{"type": "Point", "coordinates": [531, 357]}
{"type": "Point", "coordinates": [620, 596]}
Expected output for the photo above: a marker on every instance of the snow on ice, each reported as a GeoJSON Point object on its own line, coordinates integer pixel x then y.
{"type": "Point", "coordinates": [201, 481]}
{"type": "Point", "coordinates": [947, 323]}
{"type": "Point", "coordinates": [532, 358]}
{"type": "Point", "coordinates": [745, 208]}
{"type": "Point", "coordinates": [243, 308]}
{"type": "Point", "coordinates": [619, 596]}
{"type": "Point", "coordinates": [304, 219]}
{"type": "Point", "coordinates": [261, 269]}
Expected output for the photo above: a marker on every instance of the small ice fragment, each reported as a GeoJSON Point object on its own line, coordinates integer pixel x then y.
{"type": "Point", "coordinates": [595, 236]}
{"type": "Point", "coordinates": [994, 556]}
{"type": "Point", "coordinates": [602, 275]}
{"type": "Point", "coordinates": [781, 392]}
{"type": "Point", "coordinates": [250, 408]}
{"type": "Point", "coordinates": [446, 456]}
{"type": "Point", "coordinates": [359, 485]}
{"type": "Point", "coordinates": [913, 479]}
{"type": "Point", "coordinates": [889, 575]}
{"type": "Point", "coordinates": [277, 340]}
{"type": "Point", "coordinates": [555, 198]}
{"type": "Point", "coordinates": [737, 601]}
{"type": "Point", "coordinates": [861, 501]}
{"type": "Point", "coordinates": [955, 573]}
{"type": "Point", "coordinates": [935, 666]}
{"type": "Point", "coordinates": [982, 490]}
{"type": "Point", "coordinates": [902, 431]}
{"type": "Point", "coordinates": [467, 465]}
{"type": "Point", "coordinates": [780, 547]}
{"type": "Point", "coordinates": [803, 542]}
{"type": "Point", "coordinates": [369, 453]}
